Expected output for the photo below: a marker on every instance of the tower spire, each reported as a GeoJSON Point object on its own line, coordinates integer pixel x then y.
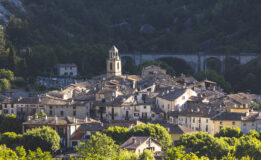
{"type": "Point", "coordinates": [114, 62]}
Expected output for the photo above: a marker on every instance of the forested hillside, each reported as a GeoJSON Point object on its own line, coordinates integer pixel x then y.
{"type": "Point", "coordinates": [229, 26]}
{"type": "Point", "coordinates": [81, 32]}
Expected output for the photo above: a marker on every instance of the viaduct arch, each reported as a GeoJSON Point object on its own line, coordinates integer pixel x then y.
{"type": "Point", "coordinates": [196, 61]}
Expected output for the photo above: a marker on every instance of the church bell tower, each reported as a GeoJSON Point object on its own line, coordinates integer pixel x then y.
{"type": "Point", "coordinates": [113, 63]}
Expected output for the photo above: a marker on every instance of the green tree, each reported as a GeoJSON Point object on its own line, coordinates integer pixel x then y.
{"type": "Point", "coordinates": [4, 85]}
{"type": "Point", "coordinates": [146, 155]}
{"type": "Point", "coordinates": [253, 133]}
{"type": "Point", "coordinates": [100, 146]}
{"type": "Point", "coordinates": [20, 152]}
{"type": "Point", "coordinates": [10, 123]}
{"type": "Point", "coordinates": [255, 106]}
{"type": "Point", "coordinates": [7, 74]}
{"type": "Point", "coordinates": [156, 131]}
{"type": "Point", "coordinates": [39, 155]}
{"type": "Point", "coordinates": [11, 139]}
{"type": "Point", "coordinates": [248, 146]}
{"type": "Point", "coordinates": [204, 144]}
{"type": "Point", "coordinates": [229, 132]}
{"type": "Point", "coordinates": [118, 134]}
{"type": "Point", "coordinates": [12, 59]}
{"type": "Point", "coordinates": [45, 138]}
{"type": "Point", "coordinates": [7, 153]}
{"type": "Point", "coordinates": [17, 31]}
{"type": "Point", "coordinates": [2, 40]}
{"type": "Point", "coordinates": [126, 155]}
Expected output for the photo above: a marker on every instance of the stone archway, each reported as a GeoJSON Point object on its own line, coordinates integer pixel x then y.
{"type": "Point", "coordinates": [213, 63]}
{"type": "Point", "coordinates": [178, 64]}
{"type": "Point", "coordinates": [230, 63]}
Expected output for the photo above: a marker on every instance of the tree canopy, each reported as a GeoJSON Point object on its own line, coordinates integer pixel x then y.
{"type": "Point", "coordinates": [45, 138]}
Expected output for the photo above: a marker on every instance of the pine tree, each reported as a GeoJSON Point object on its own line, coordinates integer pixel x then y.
{"type": "Point", "coordinates": [12, 58]}
{"type": "Point", "coordinates": [2, 39]}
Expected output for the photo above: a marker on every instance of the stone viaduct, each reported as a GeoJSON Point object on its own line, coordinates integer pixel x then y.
{"type": "Point", "coordinates": [196, 61]}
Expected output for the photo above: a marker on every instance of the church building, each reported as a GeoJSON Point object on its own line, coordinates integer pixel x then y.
{"type": "Point", "coordinates": [113, 63]}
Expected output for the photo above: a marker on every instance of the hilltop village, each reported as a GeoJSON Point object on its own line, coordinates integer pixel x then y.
{"type": "Point", "coordinates": [181, 104]}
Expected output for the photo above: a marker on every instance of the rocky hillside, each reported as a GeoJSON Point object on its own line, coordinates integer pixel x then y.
{"type": "Point", "coordinates": [9, 8]}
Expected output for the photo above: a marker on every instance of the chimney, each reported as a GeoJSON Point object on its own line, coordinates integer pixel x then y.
{"type": "Point", "coordinates": [56, 119]}
{"type": "Point", "coordinates": [74, 120]}
{"type": "Point", "coordinates": [29, 118]}
{"type": "Point", "coordinates": [20, 98]}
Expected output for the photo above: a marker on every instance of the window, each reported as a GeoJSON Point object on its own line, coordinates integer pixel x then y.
{"type": "Point", "coordinates": [71, 73]}
{"type": "Point", "coordinates": [183, 97]}
{"type": "Point", "coordinates": [74, 143]}
{"type": "Point", "coordinates": [118, 65]}
{"type": "Point", "coordinates": [110, 66]}
{"type": "Point", "coordinates": [153, 115]}
{"type": "Point", "coordinates": [253, 124]}
{"type": "Point", "coordinates": [12, 105]}
{"type": "Point", "coordinates": [199, 121]}
{"type": "Point", "coordinates": [244, 124]}
{"type": "Point", "coordinates": [74, 107]}
{"type": "Point", "coordinates": [233, 123]}
{"type": "Point", "coordinates": [61, 113]}
{"type": "Point", "coordinates": [70, 68]}
{"type": "Point", "coordinates": [220, 127]}
{"type": "Point", "coordinates": [74, 113]}
{"type": "Point", "coordinates": [193, 120]}
{"type": "Point", "coordinates": [51, 107]}
{"type": "Point", "coordinates": [220, 123]}
{"type": "Point", "coordinates": [206, 120]}
{"type": "Point", "coordinates": [50, 113]}
{"type": "Point", "coordinates": [206, 128]}
{"type": "Point", "coordinates": [145, 107]}
{"type": "Point", "coordinates": [136, 114]}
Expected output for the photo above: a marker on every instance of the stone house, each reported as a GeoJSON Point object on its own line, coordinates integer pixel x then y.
{"type": "Point", "coordinates": [139, 144]}
{"type": "Point", "coordinates": [226, 119]}
{"type": "Point", "coordinates": [176, 131]}
{"type": "Point", "coordinates": [173, 100]}
{"type": "Point", "coordinates": [152, 70]}
{"type": "Point", "coordinates": [64, 126]}
{"type": "Point", "coordinates": [66, 70]}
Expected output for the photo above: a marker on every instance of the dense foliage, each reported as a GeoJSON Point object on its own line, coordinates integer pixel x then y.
{"type": "Point", "coordinates": [121, 134]}
{"type": "Point", "coordinates": [45, 138]}
{"type": "Point", "coordinates": [20, 154]}
{"type": "Point", "coordinates": [229, 132]}
{"type": "Point", "coordinates": [10, 123]}
{"type": "Point", "coordinates": [228, 143]}
{"type": "Point", "coordinates": [177, 26]}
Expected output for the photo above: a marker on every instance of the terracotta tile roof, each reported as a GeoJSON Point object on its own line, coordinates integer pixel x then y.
{"type": "Point", "coordinates": [172, 95]}
{"type": "Point", "coordinates": [228, 116]}
{"type": "Point", "coordinates": [54, 121]}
